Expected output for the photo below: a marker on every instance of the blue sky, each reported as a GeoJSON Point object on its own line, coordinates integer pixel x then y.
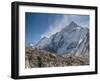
{"type": "Point", "coordinates": [38, 25]}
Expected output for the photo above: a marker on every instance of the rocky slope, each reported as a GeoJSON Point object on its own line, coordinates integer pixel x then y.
{"type": "Point", "coordinates": [40, 58]}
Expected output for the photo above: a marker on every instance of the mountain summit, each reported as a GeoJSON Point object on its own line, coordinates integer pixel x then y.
{"type": "Point", "coordinates": [73, 24]}
{"type": "Point", "coordinates": [71, 27]}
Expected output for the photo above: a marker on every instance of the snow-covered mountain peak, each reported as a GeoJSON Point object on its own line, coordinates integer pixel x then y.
{"type": "Point", "coordinates": [70, 40]}
{"type": "Point", "coordinates": [73, 24]}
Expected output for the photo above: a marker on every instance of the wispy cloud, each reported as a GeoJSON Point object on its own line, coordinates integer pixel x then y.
{"type": "Point", "coordinates": [56, 26]}
{"type": "Point", "coordinates": [63, 21]}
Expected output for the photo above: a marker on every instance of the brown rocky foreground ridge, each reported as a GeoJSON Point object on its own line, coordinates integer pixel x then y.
{"type": "Point", "coordinates": [39, 58]}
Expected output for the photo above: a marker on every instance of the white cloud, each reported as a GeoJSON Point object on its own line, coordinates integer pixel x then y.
{"type": "Point", "coordinates": [56, 27]}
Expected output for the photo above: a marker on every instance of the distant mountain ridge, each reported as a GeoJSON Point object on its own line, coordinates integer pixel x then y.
{"type": "Point", "coordinates": [73, 39]}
